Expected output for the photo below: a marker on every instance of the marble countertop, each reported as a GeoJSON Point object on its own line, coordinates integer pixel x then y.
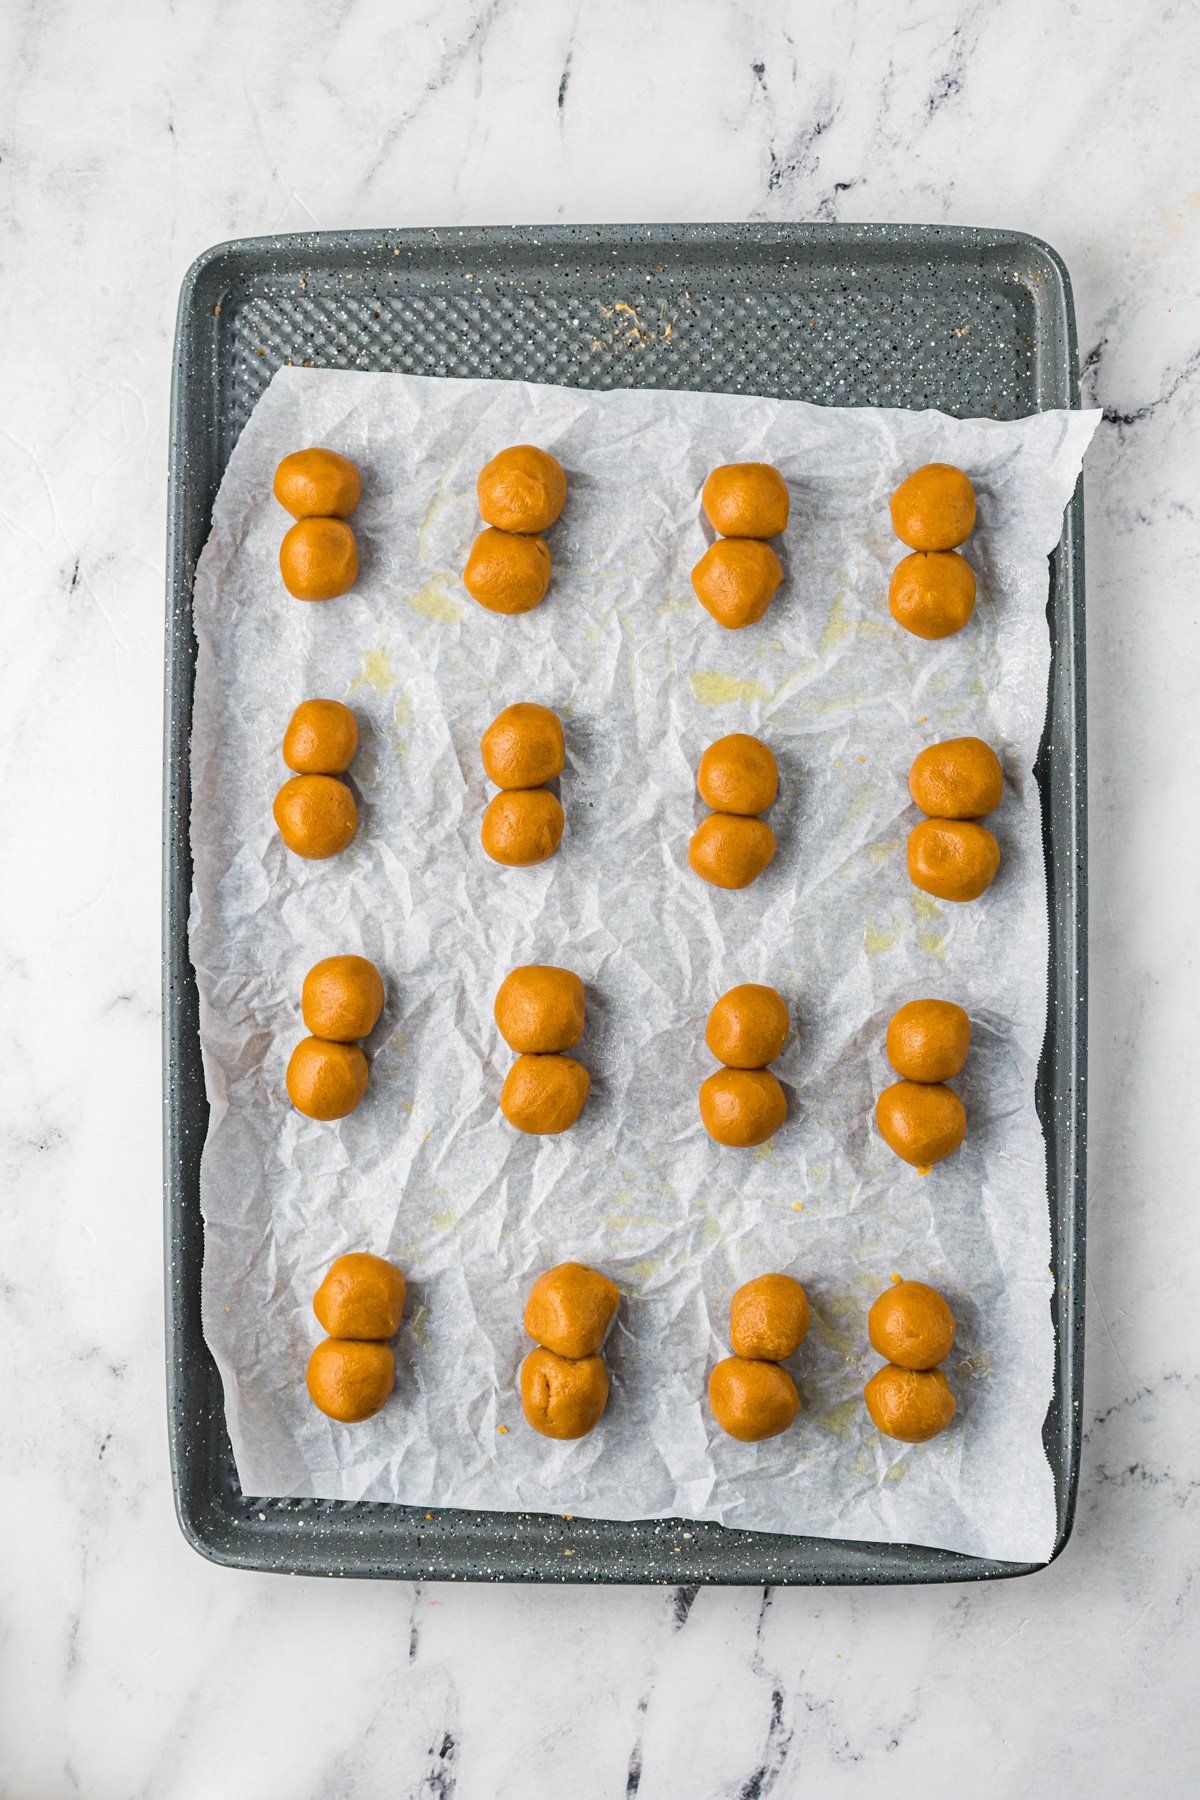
{"type": "Point", "coordinates": [133, 138]}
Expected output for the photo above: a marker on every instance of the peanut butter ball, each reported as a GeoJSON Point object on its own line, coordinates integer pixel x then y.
{"type": "Point", "coordinates": [341, 999]}
{"type": "Point", "coordinates": [960, 778]}
{"type": "Point", "coordinates": [746, 500]}
{"type": "Point", "coordinates": [729, 851]}
{"type": "Point", "coordinates": [928, 1040]}
{"type": "Point", "coordinates": [321, 738]}
{"type": "Point", "coordinates": [738, 774]}
{"type": "Point", "coordinates": [507, 573]}
{"type": "Point", "coordinates": [747, 1027]}
{"type": "Point", "coordinates": [742, 1107]}
{"type": "Point", "coordinates": [544, 1095]}
{"type": "Point", "coordinates": [923, 1122]}
{"type": "Point", "coordinates": [522, 489]}
{"type": "Point", "coordinates": [934, 508]}
{"type": "Point", "coordinates": [912, 1405]}
{"type": "Point", "coordinates": [570, 1308]}
{"type": "Point", "coordinates": [932, 593]}
{"type": "Point", "coordinates": [362, 1296]}
{"type": "Point", "coordinates": [522, 826]}
{"type": "Point", "coordinates": [350, 1380]}
{"type": "Point", "coordinates": [318, 559]}
{"type": "Point", "coordinates": [911, 1325]}
{"type": "Point", "coordinates": [316, 815]}
{"type": "Point", "coordinates": [326, 1080]}
{"type": "Point", "coordinates": [540, 1009]}
{"type": "Point", "coordinates": [562, 1397]}
{"type": "Point", "coordinates": [317, 484]}
{"type": "Point", "coordinates": [735, 581]}
{"type": "Point", "coordinates": [523, 746]}
{"type": "Point", "coordinates": [768, 1318]}
{"type": "Point", "coordinates": [752, 1400]}
{"type": "Point", "coordinates": [952, 858]}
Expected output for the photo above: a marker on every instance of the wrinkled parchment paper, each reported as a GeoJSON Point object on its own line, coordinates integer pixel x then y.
{"type": "Point", "coordinates": [426, 1171]}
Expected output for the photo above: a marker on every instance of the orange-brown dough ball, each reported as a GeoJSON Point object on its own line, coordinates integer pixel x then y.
{"type": "Point", "coordinates": [316, 815]}
{"type": "Point", "coordinates": [540, 1009]}
{"type": "Point", "coordinates": [932, 594]}
{"type": "Point", "coordinates": [742, 1107]}
{"type": "Point", "coordinates": [752, 1400]}
{"type": "Point", "coordinates": [729, 851]}
{"type": "Point", "coordinates": [952, 858]}
{"type": "Point", "coordinates": [349, 1379]}
{"type": "Point", "coordinates": [523, 746]}
{"type": "Point", "coordinates": [768, 1318]}
{"type": "Point", "coordinates": [735, 581]}
{"type": "Point", "coordinates": [507, 573]}
{"type": "Point", "coordinates": [317, 484]}
{"type": "Point", "coordinates": [747, 1027]}
{"type": "Point", "coordinates": [923, 1122]}
{"type": "Point", "coordinates": [570, 1308]}
{"type": "Point", "coordinates": [341, 999]}
{"type": "Point", "coordinates": [544, 1095]}
{"type": "Point", "coordinates": [521, 826]}
{"type": "Point", "coordinates": [960, 778]}
{"type": "Point", "coordinates": [912, 1405]}
{"type": "Point", "coordinates": [321, 738]}
{"type": "Point", "coordinates": [911, 1325]}
{"type": "Point", "coordinates": [522, 489]}
{"type": "Point", "coordinates": [928, 1040]}
{"type": "Point", "coordinates": [318, 559]}
{"type": "Point", "coordinates": [326, 1080]}
{"type": "Point", "coordinates": [561, 1397]}
{"type": "Point", "coordinates": [934, 509]}
{"type": "Point", "coordinates": [738, 774]}
{"type": "Point", "coordinates": [362, 1296]}
{"type": "Point", "coordinates": [746, 500]}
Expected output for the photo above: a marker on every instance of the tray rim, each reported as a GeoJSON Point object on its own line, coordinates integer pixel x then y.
{"type": "Point", "coordinates": [231, 1540]}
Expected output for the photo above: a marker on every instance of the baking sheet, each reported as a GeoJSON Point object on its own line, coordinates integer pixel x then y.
{"type": "Point", "coordinates": [426, 1170]}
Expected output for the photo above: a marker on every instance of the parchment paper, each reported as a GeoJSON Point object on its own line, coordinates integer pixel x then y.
{"type": "Point", "coordinates": [426, 1171]}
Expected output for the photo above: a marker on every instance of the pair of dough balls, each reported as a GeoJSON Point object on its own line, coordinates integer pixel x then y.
{"type": "Point", "coordinates": [750, 1395]}
{"type": "Point", "coordinates": [318, 557]}
{"type": "Point", "coordinates": [955, 783]}
{"type": "Point", "coordinates": [736, 578]}
{"type": "Point", "coordinates": [738, 777]}
{"type": "Point", "coordinates": [909, 1398]}
{"type": "Point", "coordinates": [919, 1117]}
{"type": "Point", "coordinates": [522, 749]}
{"type": "Point", "coordinates": [564, 1382]}
{"type": "Point", "coordinates": [341, 1000]}
{"type": "Point", "coordinates": [932, 592]}
{"type": "Point", "coordinates": [360, 1303]}
{"type": "Point", "coordinates": [742, 1104]}
{"type": "Point", "coordinates": [540, 1012]}
{"type": "Point", "coordinates": [314, 811]}
{"type": "Point", "coordinates": [522, 491]}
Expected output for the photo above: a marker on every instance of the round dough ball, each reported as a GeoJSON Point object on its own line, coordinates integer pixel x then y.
{"type": "Point", "coordinates": [523, 746]}
{"type": "Point", "coordinates": [540, 1009]}
{"type": "Point", "coordinates": [507, 573]}
{"type": "Point", "coordinates": [730, 851]}
{"type": "Point", "coordinates": [321, 738]}
{"type": "Point", "coordinates": [960, 778]}
{"type": "Point", "coordinates": [923, 1122]}
{"type": "Point", "coordinates": [752, 1400]}
{"type": "Point", "coordinates": [522, 489]}
{"type": "Point", "coordinates": [349, 1379]}
{"type": "Point", "coordinates": [326, 1080]}
{"type": "Point", "coordinates": [570, 1308]}
{"type": "Point", "coordinates": [746, 500]}
{"type": "Point", "coordinates": [316, 815]}
{"type": "Point", "coordinates": [560, 1397]}
{"type": "Point", "coordinates": [738, 774]}
{"type": "Point", "coordinates": [362, 1296]}
{"type": "Point", "coordinates": [928, 1040]}
{"type": "Point", "coordinates": [318, 559]}
{"type": "Point", "coordinates": [317, 484]}
{"type": "Point", "coordinates": [341, 999]}
{"type": "Point", "coordinates": [934, 508]}
{"type": "Point", "coordinates": [768, 1318]}
{"type": "Point", "coordinates": [544, 1095]}
{"type": "Point", "coordinates": [521, 826]}
{"type": "Point", "coordinates": [952, 858]}
{"type": "Point", "coordinates": [911, 1325]}
{"type": "Point", "coordinates": [735, 581]}
{"type": "Point", "coordinates": [932, 596]}
{"type": "Point", "coordinates": [742, 1107]}
{"type": "Point", "coordinates": [747, 1026]}
{"type": "Point", "coordinates": [910, 1404]}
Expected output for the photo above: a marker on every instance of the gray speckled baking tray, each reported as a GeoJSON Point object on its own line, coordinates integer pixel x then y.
{"type": "Point", "coordinates": [976, 323]}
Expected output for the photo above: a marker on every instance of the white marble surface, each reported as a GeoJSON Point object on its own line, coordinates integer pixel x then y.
{"type": "Point", "coordinates": [133, 136]}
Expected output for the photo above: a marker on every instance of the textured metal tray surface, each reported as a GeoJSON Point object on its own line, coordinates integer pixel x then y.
{"type": "Point", "coordinates": [972, 322]}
